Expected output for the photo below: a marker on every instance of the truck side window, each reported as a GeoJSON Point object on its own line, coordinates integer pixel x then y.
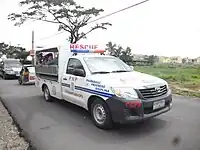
{"type": "Point", "coordinates": [73, 64]}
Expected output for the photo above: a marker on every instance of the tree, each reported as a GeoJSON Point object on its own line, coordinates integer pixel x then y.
{"type": "Point", "coordinates": [13, 51]}
{"type": "Point", "coordinates": [4, 48]}
{"type": "Point", "coordinates": [119, 52]}
{"type": "Point", "coordinates": [126, 55]}
{"type": "Point", "coordinates": [111, 48]}
{"type": "Point", "coordinates": [152, 59]}
{"type": "Point", "coordinates": [22, 55]}
{"type": "Point", "coordinates": [184, 60]}
{"type": "Point", "coordinates": [69, 16]}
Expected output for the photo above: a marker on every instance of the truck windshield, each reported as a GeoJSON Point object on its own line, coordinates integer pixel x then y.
{"type": "Point", "coordinates": [106, 65]}
{"type": "Point", "coordinates": [12, 64]}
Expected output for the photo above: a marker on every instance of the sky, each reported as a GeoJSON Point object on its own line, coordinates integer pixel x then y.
{"type": "Point", "coordinates": [157, 27]}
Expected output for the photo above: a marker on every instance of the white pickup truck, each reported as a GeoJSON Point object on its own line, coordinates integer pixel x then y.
{"type": "Point", "coordinates": [104, 85]}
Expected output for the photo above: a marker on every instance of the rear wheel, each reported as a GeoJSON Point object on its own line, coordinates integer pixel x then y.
{"type": "Point", "coordinates": [46, 94]}
{"type": "Point", "coordinates": [101, 115]}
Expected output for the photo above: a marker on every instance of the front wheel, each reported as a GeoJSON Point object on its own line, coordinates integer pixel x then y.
{"type": "Point", "coordinates": [5, 77]}
{"type": "Point", "coordinates": [47, 95]}
{"type": "Point", "coordinates": [101, 115]}
{"type": "Point", "coordinates": [20, 81]}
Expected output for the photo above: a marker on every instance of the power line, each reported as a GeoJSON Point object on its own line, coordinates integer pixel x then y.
{"type": "Point", "coordinates": [118, 11]}
{"type": "Point", "coordinates": [52, 35]}
{"type": "Point", "coordinates": [131, 6]}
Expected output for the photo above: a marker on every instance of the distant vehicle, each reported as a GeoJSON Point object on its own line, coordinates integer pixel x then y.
{"type": "Point", "coordinates": [27, 75]}
{"type": "Point", "coordinates": [104, 85]}
{"type": "Point", "coordinates": [10, 68]}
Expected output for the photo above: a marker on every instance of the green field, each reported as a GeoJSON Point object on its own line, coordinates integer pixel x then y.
{"type": "Point", "coordinates": [184, 80]}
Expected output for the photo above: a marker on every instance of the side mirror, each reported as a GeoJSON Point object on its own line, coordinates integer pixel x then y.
{"type": "Point", "coordinates": [79, 72]}
{"type": "Point", "coordinates": [132, 68]}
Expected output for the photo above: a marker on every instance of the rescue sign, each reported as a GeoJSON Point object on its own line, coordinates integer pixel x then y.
{"type": "Point", "coordinates": [85, 48]}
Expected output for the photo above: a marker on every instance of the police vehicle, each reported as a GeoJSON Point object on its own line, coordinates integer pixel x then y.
{"type": "Point", "coordinates": [104, 85]}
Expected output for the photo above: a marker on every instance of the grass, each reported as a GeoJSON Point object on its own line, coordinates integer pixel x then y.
{"type": "Point", "coordinates": [184, 80]}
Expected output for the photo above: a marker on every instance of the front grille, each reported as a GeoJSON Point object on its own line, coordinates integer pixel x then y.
{"type": "Point", "coordinates": [153, 92]}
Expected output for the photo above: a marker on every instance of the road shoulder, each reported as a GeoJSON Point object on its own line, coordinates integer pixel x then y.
{"type": "Point", "coordinates": [9, 132]}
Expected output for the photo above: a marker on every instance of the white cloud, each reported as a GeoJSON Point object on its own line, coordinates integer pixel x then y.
{"type": "Point", "coordinates": [162, 27]}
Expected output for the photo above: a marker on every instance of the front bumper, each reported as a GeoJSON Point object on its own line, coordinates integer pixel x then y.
{"type": "Point", "coordinates": [12, 74]}
{"type": "Point", "coordinates": [121, 114]}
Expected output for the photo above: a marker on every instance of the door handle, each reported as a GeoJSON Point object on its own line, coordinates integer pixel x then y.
{"type": "Point", "coordinates": [64, 78]}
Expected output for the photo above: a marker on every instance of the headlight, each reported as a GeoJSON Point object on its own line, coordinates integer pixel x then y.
{"type": "Point", "coordinates": [167, 85]}
{"type": "Point", "coordinates": [127, 93]}
{"type": "Point", "coordinates": [8, 69]}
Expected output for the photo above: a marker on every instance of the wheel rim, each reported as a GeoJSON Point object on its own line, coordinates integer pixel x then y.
{"type": "Point", "coordinates": [99, 114]}
{"type": "Point", "coordinates": [46, 94]}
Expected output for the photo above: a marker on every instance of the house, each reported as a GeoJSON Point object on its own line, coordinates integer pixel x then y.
{"type": "Point", "coordinates": [196, 60]}
{"type": "Point", "coordinates": [164, 59]}
{"type": "Point", "coordinates": [188, 60]}
{"type": "Point", "coordinates": [177, 60]}
{"type": "Point", "coordinates": [138, 57]}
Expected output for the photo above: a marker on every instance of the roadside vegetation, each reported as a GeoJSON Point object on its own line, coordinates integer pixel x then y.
{"type": "Point", "coordinates": [183, 79]}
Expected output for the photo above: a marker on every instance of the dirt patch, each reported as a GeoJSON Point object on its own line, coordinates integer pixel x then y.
{"type": "Point", "coordinates": [177, 88]}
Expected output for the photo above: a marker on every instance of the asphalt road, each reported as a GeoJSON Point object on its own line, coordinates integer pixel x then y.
{"type": "Point", "coordinates": [63, 126]}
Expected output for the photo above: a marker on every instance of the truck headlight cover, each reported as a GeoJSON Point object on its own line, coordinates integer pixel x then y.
{"type": "Point", "coordinates": [127, 93]}
{"type": "Point", "coordinates": [8, 69]}
{"type": "Point", "coordinates": [167, 85]}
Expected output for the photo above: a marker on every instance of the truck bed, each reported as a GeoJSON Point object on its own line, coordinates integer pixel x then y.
{"type": "Point", "coordinates": [49, 72]}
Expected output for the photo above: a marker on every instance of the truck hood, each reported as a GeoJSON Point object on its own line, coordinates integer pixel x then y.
{"type": "Point", "coordinates": [16, 68]}
{"type": "Point", "coordinates": [133, 79]}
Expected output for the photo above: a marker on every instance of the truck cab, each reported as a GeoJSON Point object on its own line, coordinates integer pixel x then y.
{"type": "Point", "coordinates": [104, 85]}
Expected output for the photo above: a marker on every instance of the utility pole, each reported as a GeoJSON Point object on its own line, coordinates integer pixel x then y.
{"type": "Point", "coordinates": [32, 40]}
{"type": "Point", "coordinates": [8, 55]}
{"type": "Point", "coordinates": [32, 53]}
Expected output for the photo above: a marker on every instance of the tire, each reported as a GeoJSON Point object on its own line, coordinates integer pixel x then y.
{"type": "Point", "coordinates": [20, 81]}
{"type": "Point", "coordinates": [46, 94]}
{"type": "Point", "coordinates": [103, 119]}
{"type": "Point", "coordinates": [5, 77]}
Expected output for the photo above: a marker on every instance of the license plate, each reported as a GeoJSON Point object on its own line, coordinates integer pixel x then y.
{"type": "Point", "coordinates": [158, 104]}
{"type": "Point", "coordinates": [17, 74]}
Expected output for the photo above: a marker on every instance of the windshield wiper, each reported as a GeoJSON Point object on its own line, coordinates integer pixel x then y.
{"type": "Point", "coordinates": [120, 71]}
{"type": "Point", "coordinates": [100, 72]}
